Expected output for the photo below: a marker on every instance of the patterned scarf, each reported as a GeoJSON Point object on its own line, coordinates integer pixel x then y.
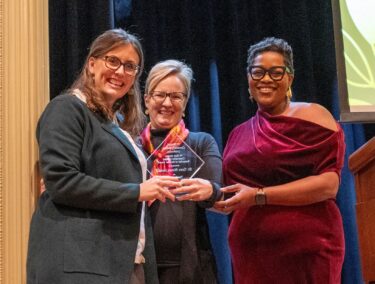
{"type": "Point", "coordinates": [162, 166]}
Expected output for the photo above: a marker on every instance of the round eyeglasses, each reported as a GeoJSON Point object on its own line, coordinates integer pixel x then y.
{"type": "Point", "coordinates": [114, 63]}
{"type": "Point", "coordinates": [276, 73]}
{"type": "Point", "coordinates": [160, 97]}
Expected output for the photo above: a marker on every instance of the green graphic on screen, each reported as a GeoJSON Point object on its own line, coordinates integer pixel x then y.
{"type": "Point", "coordinates": [358, 30]}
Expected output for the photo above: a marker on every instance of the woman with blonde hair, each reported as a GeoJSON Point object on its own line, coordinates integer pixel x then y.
{"type": "Point", "coordinates": [182, 243]}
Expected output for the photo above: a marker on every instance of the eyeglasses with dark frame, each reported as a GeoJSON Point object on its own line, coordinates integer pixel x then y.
{"type": "Point", "coordinates": [276, 73]}
{"type": "Point", "coordinates": [114, 63]}
{"type": "Point", "coordinates": [160, 97]}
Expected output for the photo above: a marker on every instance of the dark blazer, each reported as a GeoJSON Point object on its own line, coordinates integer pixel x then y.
{"type": "Point", "coordinates": [86, 226]}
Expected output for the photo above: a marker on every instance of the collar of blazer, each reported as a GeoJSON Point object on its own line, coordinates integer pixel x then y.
{"type": "Point", "coordinates": [114, 130]}
{"type": "Point", "coordinates": [110, 127]}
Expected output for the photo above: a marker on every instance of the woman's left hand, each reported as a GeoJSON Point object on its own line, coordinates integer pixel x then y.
{"type": "Point", "coordinates": [244, 197]}
{"type": "Point", "coordinates": [195, 189]}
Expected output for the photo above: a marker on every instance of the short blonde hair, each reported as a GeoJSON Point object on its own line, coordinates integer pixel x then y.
{"type": "Point", "coordinates": [163, 69]}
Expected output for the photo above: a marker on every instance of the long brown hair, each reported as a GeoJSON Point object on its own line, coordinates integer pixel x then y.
{"type": "Point", "coordinates": [129, 106]}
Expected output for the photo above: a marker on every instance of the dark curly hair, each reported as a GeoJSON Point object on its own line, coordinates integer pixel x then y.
{"type": "Point", "coordinates": [271, 44]}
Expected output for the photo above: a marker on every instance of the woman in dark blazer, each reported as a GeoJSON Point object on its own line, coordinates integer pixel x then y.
{"type": "Point", "coordinates": [91, 225]}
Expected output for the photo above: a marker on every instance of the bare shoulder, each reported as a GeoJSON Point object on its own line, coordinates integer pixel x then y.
{"type": "Point", "coordinates": [314, 113]}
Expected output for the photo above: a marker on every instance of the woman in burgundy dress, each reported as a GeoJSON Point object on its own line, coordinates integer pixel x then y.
{"type": "Point", "coordinates": [284, 167]}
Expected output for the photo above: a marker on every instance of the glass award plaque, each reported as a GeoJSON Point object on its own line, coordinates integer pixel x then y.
{"type": "Point", "coordinates": [174, 159]}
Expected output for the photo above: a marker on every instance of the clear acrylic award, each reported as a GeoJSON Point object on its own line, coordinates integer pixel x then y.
{"type": "Point", "coordinates": [179, 160]}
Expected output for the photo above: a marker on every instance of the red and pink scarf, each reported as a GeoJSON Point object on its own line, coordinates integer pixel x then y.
{"type": "Point", "coordinates": [162, 166]}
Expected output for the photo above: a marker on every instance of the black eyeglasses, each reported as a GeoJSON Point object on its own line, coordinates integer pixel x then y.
{"type": "Point", "coordinates": [276, 73]}
{"type": "Point", "coordinates": [160, 97]}
{"type": "Point", "coordinates": [114, 63]}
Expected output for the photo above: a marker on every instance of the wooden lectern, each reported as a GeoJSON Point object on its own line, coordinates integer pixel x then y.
{"type": "Point", "coordinates": [362, 165]}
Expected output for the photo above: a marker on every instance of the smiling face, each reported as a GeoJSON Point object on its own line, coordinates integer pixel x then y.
{"type": "Point", "coordinates": [113, 85]}
{"type": "Point", "coordinates": [269, 94]}
{"type": "Point", "coordinates": [166, 114]}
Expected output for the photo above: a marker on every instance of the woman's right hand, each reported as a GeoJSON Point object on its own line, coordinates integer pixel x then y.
{"type": "Point", "coordinates": [158, 188]}
{"type": "Point", "coordinates": [243, 197]}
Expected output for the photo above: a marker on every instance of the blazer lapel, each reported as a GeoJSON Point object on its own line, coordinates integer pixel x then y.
{"type": "Point", "coordinates": [114, 130]}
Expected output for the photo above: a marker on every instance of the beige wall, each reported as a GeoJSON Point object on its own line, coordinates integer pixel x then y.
{"type": "Point", "coordinates": [24, 92]}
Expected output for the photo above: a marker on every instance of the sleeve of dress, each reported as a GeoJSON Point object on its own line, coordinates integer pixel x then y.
{"type": "Point", "coordinates": [331, 154]}
{"type": "Point", "coordinates": [211, 170]}
{"type": "Point", "coordinates": [60, 135]}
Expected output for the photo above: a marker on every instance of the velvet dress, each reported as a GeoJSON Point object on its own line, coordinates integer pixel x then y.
{"type": "Point", "coordinates": [284, 244]}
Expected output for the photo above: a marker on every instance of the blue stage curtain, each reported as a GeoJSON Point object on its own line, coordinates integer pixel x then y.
{"type": "Point", "coordinates": [346, 198]}
{"type": "Point", "coordinates": [73, 25]}
{"type": "Point", "coordinates": [193, 120]}
{"type": "Point", "coordinates": [215, 104]}
{"type": "Point", "coordinates": [217, 223]}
